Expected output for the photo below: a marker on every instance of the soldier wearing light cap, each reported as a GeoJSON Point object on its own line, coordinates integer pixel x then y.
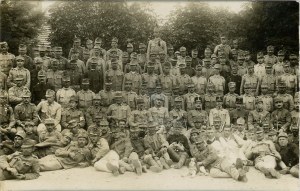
{"type": "Point", "coordinates": [115, 75]}
{"type": "Point", "coordinates": [210, 97]}
{"type": "Point", "coordinates": [6, 58]}
{"type": "Point", "coordinates": [7, 117]}
{"type": "Point", "coordinates": [156, 43]}
{"type": "Point", "coordinates": [267, 99]}
{"type": "Point", "coordinates": [259, 116]}
{"type": "Point", "coordinates": [189, 98]}
{"type": "Point", "coordinates": [230, 98]}
{"type": "Point", "coordinates": [15, 93]}
{"type": "Point", "coordinates": [219, 111]}
{"type": "Point", "coordinates": [288, 101]}
{"type": "Point", "coordinates": [114, 47]}
{"type": "Point", "coordinates": [54, 76]}
{"type": "Point", "coordinates": [289, 78]}
{"type": "Point", "coordinates": [270, 57]}
{"type": "Point", "coordinates": [218, 80]}
{"type": "Point", "coordinates": [85, 95]}
{"type": "Point", "coordinates": [197, 113]}
{"type": "Point", "coordinates": [63, 95]}
{"type": "Point", "coordinates": [19, 70]}
{"type": "Point", "coordinates": [280, 117]}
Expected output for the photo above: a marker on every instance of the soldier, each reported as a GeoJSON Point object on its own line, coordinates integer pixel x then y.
{"type": "Point", "coordinates": [240, 62]}
{"type": "Point", "coordinates": [289, 79]}
{"type": "Point", "coordinates": [189, 98]}
{"type": "Point", "coordinates": [63, 95]}
{"type": "Point", "coordinates": [142, 56]}
{"type": "Point", "coordinates": [219, 111]}
{"type": "Point", "coordinates": [3, 81]}
{"type": "Point", "coordinates": [174, 68]}
{"type": "Point", "coordinates": [182, 56]}
{"type": "Point", "coordinates": [6, 58]}
{"type": "Point", "coordinates": [96, 57]}
{"type": "Point", "coordinates": [267, 99]}
{"type": "Point", "coordinates": [19, 71]}
{"type": "Point", "coordinates": [177, 113]}
{"type": "Point", "coordinates": [270, 57]}
{"type": "Point", "coordinates": [115, 75]}
{"type": "Point", "coordinates": [218, 167]}
{"type": "Point", "coordinates": [15, 92]}
{"type": "Point", "coordinates": [133, 60]}
{"type": "Point", "coordinates": [156, 43]}
{"type": "Point", "coordinates": [72, 113]}
{"type": "Point", "coordinates": [151, 78]}
{"type": "Point", "coordinates": [95, 76]}
{"type": "Point", "coordinates": [200, 81]}
{"type": "Point", "coordinates": [248, 98]}
{"type": "Point", "coordinates": [134, 77]}
{"type": "Point", "coordinates": [259, 68]}
{"type": "Point", "coordinates": [129, 95]}
{"type": "Point", "coordinates": [98, 42]}
{"type": "Point", "coordinates": [28, 62]}
{"type": "Point", "coordinates": [98, 146]}
{"type": "Point", "coordinates": [158, 112]}
{"type": "Point", "coordinates": [50, 132]}
{"type": "Point", "coordinates": [107, 95]}
{"type": "Point", "coordinates": [63, 62]}
{"type": "Point", "coordinates": [114, 46]}
{"type": "Point", "coordinates": [264, 154]}
{"type": "Point", "coordinates": [144, 95]}
{"type": "Point", "coordinates": [167, 81]}
{"type": "Point", "coordinates": [7, 117]}
{"type": "Point", "coordinates": [259, 116]}
{"type": "Point", "coordinates": [210, 97]}
{"type": "Point", "coordinates": [26, 111]}
{"type": "Point", "coordinates": [71, 156]}
{"type": "Point", "coordinates": [158, 94]}
{"type": "Point", "coordinates": [195, 59]}
{"type": "Point", "coordinates": [183, 79]}
{"type": "Point", "coordinates": [85, 96]}
{"type": "Point", "coordinates": [114, 55]}
{"type": "Point", "coordinates": [223, 47]}
{"type": "Point", "coordinates": [239, 111]}
{"type": "Point", "coordinates": [277, 68]}
{"type": "Point", "coordinates": [49, 109]}
{"type": "Point", "coordinates": [21, 166]}
{"type": "Point", "coordinates": [54, 76]}
{"type": "Point", "coordinates": [39, 90]}
{"type": "Point", "coordinates": [118, 110]}
{"type": "Point", "coordinates": [170, 52]}
{"type": "Point", "coordinates": [288, 102]}
{"type": "Point", "coordinates": [80, 64]}
{"type": "Point", "coordinates": [75, 76]}
{"type": "Point", "coordinates": [95, 110]}
{"type": "Point", "coordinates": [44, 57]}
{"type": "Point", "coordinates": [29, 130]}
{"type": "Point", "coordinates": [224, 66]}
{"type": "Point", "coordinates": [248, 61]}
{"type": "Point", "coordinates": [230, 98]}
{"type": "Point", "coordinates": [197, 114]}
{"type": "Point", "coordinates": [76, 48]}
{"type": "Point", "coordinates": [218, 80]}
{"type": "Point", "coordinates": [153, 60]}
{"type": "Point", "coordinates": [295, 114]}
{"type": "Point", "coordinates": [252, 80]}
{"type": "Point", "coordinates": [189, 69]}
{"type": "Point", "coordinates": [280, 117]}
{"type": "Point", "coordinates": [269, 79]}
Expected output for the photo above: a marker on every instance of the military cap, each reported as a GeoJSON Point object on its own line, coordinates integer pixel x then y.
{"type": "Point", "coordinates": [140, 101]}
{"type": "Point", "coordinates": [170, 47]}
{"type": "Point", "coordinates": [260, 55]}
{"type": "Point", "coordinates": [134, 129]}
{"type": "Point", "coordinates": [26, 93]}
{"type": "Point", "coordinates": [142, 45]}
{"type": "Point", "coordinates": [133, 63]}
{"type": "Point", "coordinates": [272, 132]}
{"type": "Point", "coordinates": [195, 131]}
{"type": "Point", "coordinates": [104, 123]}
{"type": "Point", "coordinates": [58, 49]}
{"type": "Point", "coordinates": [182, 65]}
{"type": "Point", "coordinates": [52, 141]}
{"type": "Point", "coordinates": [207, 50]}
{"type": "Point", "coordinates": [178, 99]}
{"type": "Point", "coordinates": [94, 60]}
{"type": "Point", "coordinates": [85, 81]}
{"type": "Point", "coordinates": [280, 53]}
{"type": "Point", "coordinates": [167, 64]}
{"type": "Point", "coordinates": [162, 98]}
{"type": "Point", "coordinates": [217, 66]}
{"type": "Point", "coordinates": [72, 123]}
{"type": "Point", "coordinates": [113, 51]}
{"type": "Point", "coordinates": [259, 130]}
{"type": "Point", "coordinates": [195, 51]}
{"type": "Point", "coordinates": [48, 48]}
{"type": "Point", "coordinates": [217, 118]}
{"type": "Point", "coordinates": [114, 39]}
{"type": "Point", "coordinates": [152, 125]}
{"type": "Point", "coordinates": [129, 45]}
{"type": "Point", "coordinates": [66, 78]}
{"type": "Point", "coordinates": [153, 52]}
{"type": "Point", "coordinates": [293, 57]}
{"type": "Point", "coordinates": [49, 121]}
{"type": "Point", "coordinates": [22, 47]}
{"type": "Point", "coordinates": [177, 52]}
{"type": "Point", "coordinates": [188, 59]}
{"type": "Point", "coordinates": [199, 67]}
{"type": "Point", "coordinates": [98, 40]}
{"type": "Point", "coordinates": [89, 41]}
{"type": "Point", "coordinates": [182, 49]}
{"type": "Point", "coordinates": [19, 78]}
{"type": "Point", "coordinates": [73, 98]}
{"type": "Point", "coordinates": [264, 85]}
{"type": "Point", "coordinates": [250, 65]}
{"type": "Point", "coordinates": [86, 52]}
{"type": "Point", "coordinates": [240, 121]}
{"type": "Point", "coordinates": [42, 48]}
{"type": "Point", "coordinates": [29, 123]}
{"type": "Point", "coordinates": [247, 85]}
{"type": "Point", "coordinates": [20, 58]}
{"type": "Point", "coordinates": [210, 84]}
{"type": "Point", "coordinates": [29, 143]}
{"type": "Point", "coordinates": [54, 61]}
{"type": "Point", "coordinates": [133, 55]}
{"type": "Point", "coordinates": [199, 140]}
{"type": "Point", "coordinates": [219, 99]}
{"type": "Point", "coordinates": [35, 49]}
{"type": "Point", "coordinates": [191, 85]}
{"type": "Point", "coordinates": [83, 134]}
{"type": "Point", "coordinates": [3, 93]}
{"type": "Point", "coordinates": [281, 83]}
{"type": "Point", "coordinates": [213, 56]}
{"type": "Point", "coordinates": [97, 47]}
{"type": "Point", "coordinates": [128, 82]}
{"type": "Point", "coordinates": [258, 100]}
{"type": "Point", "coordinates": [21, 134]}
{"type": "Point", "coordinates": [282, 134]}
{"type": "Point", "coordinates": [270, 47]}
{"type": "Point", "coordinates": [286, 64]}
{"type": "Point", "coordinates": [38, 60]}
{"type": "Point", "coordinates": [277, 99]}
{"type": "Point", "coordinates": [231, 84]}
{"type": "Point", "coordinates": [198, 99]}
{"type": "Point", "coordinates": [50, 93]}
{"type": "Point", "coordinates": [108, 83]}
{"type": "Point", "coordinates": [118, 94]}
{"type": "Point", "coordinates": [76, 39]}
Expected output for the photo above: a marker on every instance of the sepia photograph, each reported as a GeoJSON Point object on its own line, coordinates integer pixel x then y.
{"type": "Point", "coordinates": [149, 95]}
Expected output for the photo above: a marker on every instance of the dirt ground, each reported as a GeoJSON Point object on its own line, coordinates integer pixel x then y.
{"type": "Point", "coordinates": [90, 179]}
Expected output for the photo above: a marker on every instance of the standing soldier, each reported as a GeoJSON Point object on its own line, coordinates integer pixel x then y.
{"type": "Point", "coordinates": [260, 68]}
{"type": "Point", "coordinates": [197, 114]}
{"type": "Point", "coordinates": [200, 81]}
{"type": "Point", "coordinates": [251, 79]}
{"type": "Point", "coordinates": [259, 116]}
{"type": "Point", "coordinates": [270, 57]}
{"type": "Point", "coordinates": [3, 81]}
{"type": "Point", "coordinates": [230, 98]}
{"type": "Point", "coordinates": [189, 69]}
{"type": "Point", "coordinates": [7, 117]}
{"type": "Point", "coordinates": [153, 60]}
{"type": "Point", "coordinates": [28, 62]}
{"type": "Point", "coordinates": [269, 79]}
{"type": "Point", "coordinates": [75, 76]}
{"type": "Point", "coordinates": [98, 42]}
{"type": "Point", "coordinates": [26, 112]}
{"type": "Point", "coordinates": [183, 79]}
{"type": "Point", "coordinates": [195, 59]}
{"type": "Point", "coordinates": [114, 55]}
{"type": "Point", "coordinates": [289, 79]}
{"type": "Point", "coordinates": [101, 66]}
{"type": "Point", "coordinates": [19, 70]}
{"type": "Point", "coordinates": [133, 60]}
{"type": "Point", "coordinates": [95, 76]}
{"type": "Point", "coordinates": [85, 96]}
{"type": "Point", "coordinates": [170, 52]}
{"type": "Point", "coordinates": [177, 114]}
{"type": "Point", "coordinates": [158, 94]}
{"type": "Point", "coordinates": [76, 48]}
{"type": "Point", "coordinates": [167, 81]}
{"type": "Point", "coordinates": [80, 64]}
{"type": "Point", "coordinates": [54, 76]}
{"type": "Point", "coordinates": [288, 102]}
{"type": "Point", "coordinates": [218, 80]}
{"type": "Point", "coordinates": [44, 57]}
{"type": "Point", "coordinates": [210, 97]}
{"type": "Point", "coordinates": [174, 68]}
{"type": "Point", "coordinates": [64, 94]}
{"type": "Point", "coordinates": [118, 110]}
{"type": "Point", "coordinates": [207, 68]}
{"type": "Point", "coordinates": [63, 62]}
{"type": "Point", "coordinates": [95, 110]}
{"type": "Point", "coordinates": [248, 98]}
{"type": "Point", "coordinates": [220, 112]}
{"type": "Point", "coordinates": [151, 78]}
{"type": "Point", "coordinates": [239, 111]}
{"type": "Point", "coordinates": [280, 117]}
{"type": "Point", "coordinates": [277, 68]}
{"type": "Point", "coordinates": [189, 98]}
{"type": "Point", "coordinates": [114, 46]}
{"type": "Point", "coordinates": [144, 95]}
{"type": "Point", "coordinates": [156, 43]}
{"type": "Point", "coordinates": [39, 90]}
{"type": "Point", "coordinates": [159, 113]}
{"type": "Point", "coordinates": [72, 113]}
{"type": "Point", "coordinates": [142, 56]}
{"type": "Point", "coordinates": [242, 69]}
{"type": "Point", "coordinates": [223, 47]}
{"type": "Point", "coordinates": [266, 99]}
{"type": "Point", "coordinates": [134, 77]}
{"type": "Point", "coordinates": [107, 95]}
{"type": "Point", "coordinates": [15, 93]}
{"type": "Point", "coordinates": [129, 95]}
{"type": "Point", "coordinates": [6, 58]}
{"type": "Point", "coordinates": [115, 75]}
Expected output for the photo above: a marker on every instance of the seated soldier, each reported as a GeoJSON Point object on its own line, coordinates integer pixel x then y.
{"type": "Point", "coordinates": [8, 121]}
{"type": "Point", "coordinates": [74, 155]}
{"type": "Point", "coordinates": [15, 145]}
{"type": "Point", "coordinates": [50, 131]}
{"type": "Point", "coordinates": [264, 154]}
{"type": "Point", "coordinates": [219, 167]}
{"type": "Point", "coordinates": [178, 149]}
{"type": "Point", "coordinates": [29, 130]}
{"type": "Point", "coordinates": [156, 145]}
{"type": "Point", "coordinates": [74, 128]}
{"type": "Point", "coordinates": [20, 165]}
{"type": "Point", "coordinates": [98, 146]}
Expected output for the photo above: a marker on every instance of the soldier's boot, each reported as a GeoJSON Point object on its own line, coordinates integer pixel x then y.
{"type": "Point", "coordinates": [181, 162]}
{"type": "Point", "coordinates": [164, 163]}
{"type": "Point", "coordinates": [122, 170]}
{"type": "Point", "coordinates": [128, 167]}
{"type": "Point", "coordinates": [239, 164]}
{"type": "Point", "coordinates": [242, 175]}
{"type": "Point", "coordinates": [137, 166]}
{"type": "Point", "coordinates": [113, 168]}
{"type": "Point", "coordinates": [266, 172]}
{"type": "Point", "coordinates": [144, 168]}
{"type": "Point", "coordinates": [173, 154]}
{"type": "Point", "coordinates": [153, 165]}
{"type": "Point", "coordinates": [168, 159]}
{"type": "Point", "coordinates": [285, 170]}
{"type": "Point", "coordinates": [274, 173]}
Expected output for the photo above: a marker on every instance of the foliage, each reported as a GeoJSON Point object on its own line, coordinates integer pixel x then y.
{"type": "Point", "coordinates": [20, 21]}
{"type": "Point", "coordinates": [104, 19]}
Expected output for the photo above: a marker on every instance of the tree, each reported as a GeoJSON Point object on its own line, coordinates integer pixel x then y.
{"type": "Point", "coordinates": [20, 22]}
{"type": "Point", "coordinates": [104, 19]}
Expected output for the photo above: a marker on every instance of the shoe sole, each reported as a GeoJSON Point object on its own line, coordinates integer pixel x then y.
{"type": "Point", "coordinates": [114, 169]}
{"type": "Point", "coordinates": [274, 173]}
{"type": "Point", "coordinates": [239, 163]}
{"type": "Point", "coordinates": [138, 167]}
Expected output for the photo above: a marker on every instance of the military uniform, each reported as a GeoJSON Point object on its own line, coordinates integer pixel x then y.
{"type": "Point", "coordinates": [189, 100]}
{"type": "Point", "coordinates": [136, 80]}
{"type": "Point", "coordinates": [98, 149]}
{"type": "Point", "coordinates": [14, 72]}
{"type": "Point", "coordinates": [39, 90]}
{"type": "Point", "coordinates": [220, 112]}
{"type": "Point", "coordinates": [54, 78]}
{"type": "Point", "coordinates": [3, 81]}
{"type": "Point", "coordinates": [280, 117]}
{"type": "Point", "coordinates": [6, 61]}
{"type": "Point", "coordinates": [119, 111]}
{"type": "Point", "coordinates": [209, 101]}
{"type": "Point", "coordinates": [183, 80]}
{"type": "Point", "coordinates": [107, 97]}
{"type": "Point", "coordinates": [15, 93]}
{"type": "Point", "coordinates": [72, 114]}
{"type": "Point", "coordinates": [151, 80]}
{"type": "Point", "coordinates": [291, 82]}
{"type": "Point", "coordinates": [230, 98]}
{"type": "Point", "coordinates": [200, 84]}
{"type": "Point", "coordinates": [267, 100]}
{"type": "Point", "coordinates": [167, 82]}
{"type": "Point", "coordinates": [159, 114]}
{"type": "Point", "coordinates": [200, 115]}
{"type": "Point", "coordinates": [258, 117]}
{"type": "Point", "coordinates": [85, 99]}
{"type": "Point", "coordinates": [288, 102]}
{"type": "Point", "coordinates": [178, 114]}
{"type": "Point", "coordinates": [140, 117]}
{"type": "Point", "coordinates": [7, 117]}
{"type": "Point", "coordinates": [130, 99]}
{"type": "Point", "coordinates": [93, 111]}
{"type": "Point", "coordinates": [146, 99]}
{"type": "Point", "coordinates": [116, 77]}
{"type": "Point", "coordinates": [96, 79]}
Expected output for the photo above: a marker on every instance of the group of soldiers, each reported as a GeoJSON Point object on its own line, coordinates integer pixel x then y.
{"type": "Point", "coordinates": [152, 110]}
